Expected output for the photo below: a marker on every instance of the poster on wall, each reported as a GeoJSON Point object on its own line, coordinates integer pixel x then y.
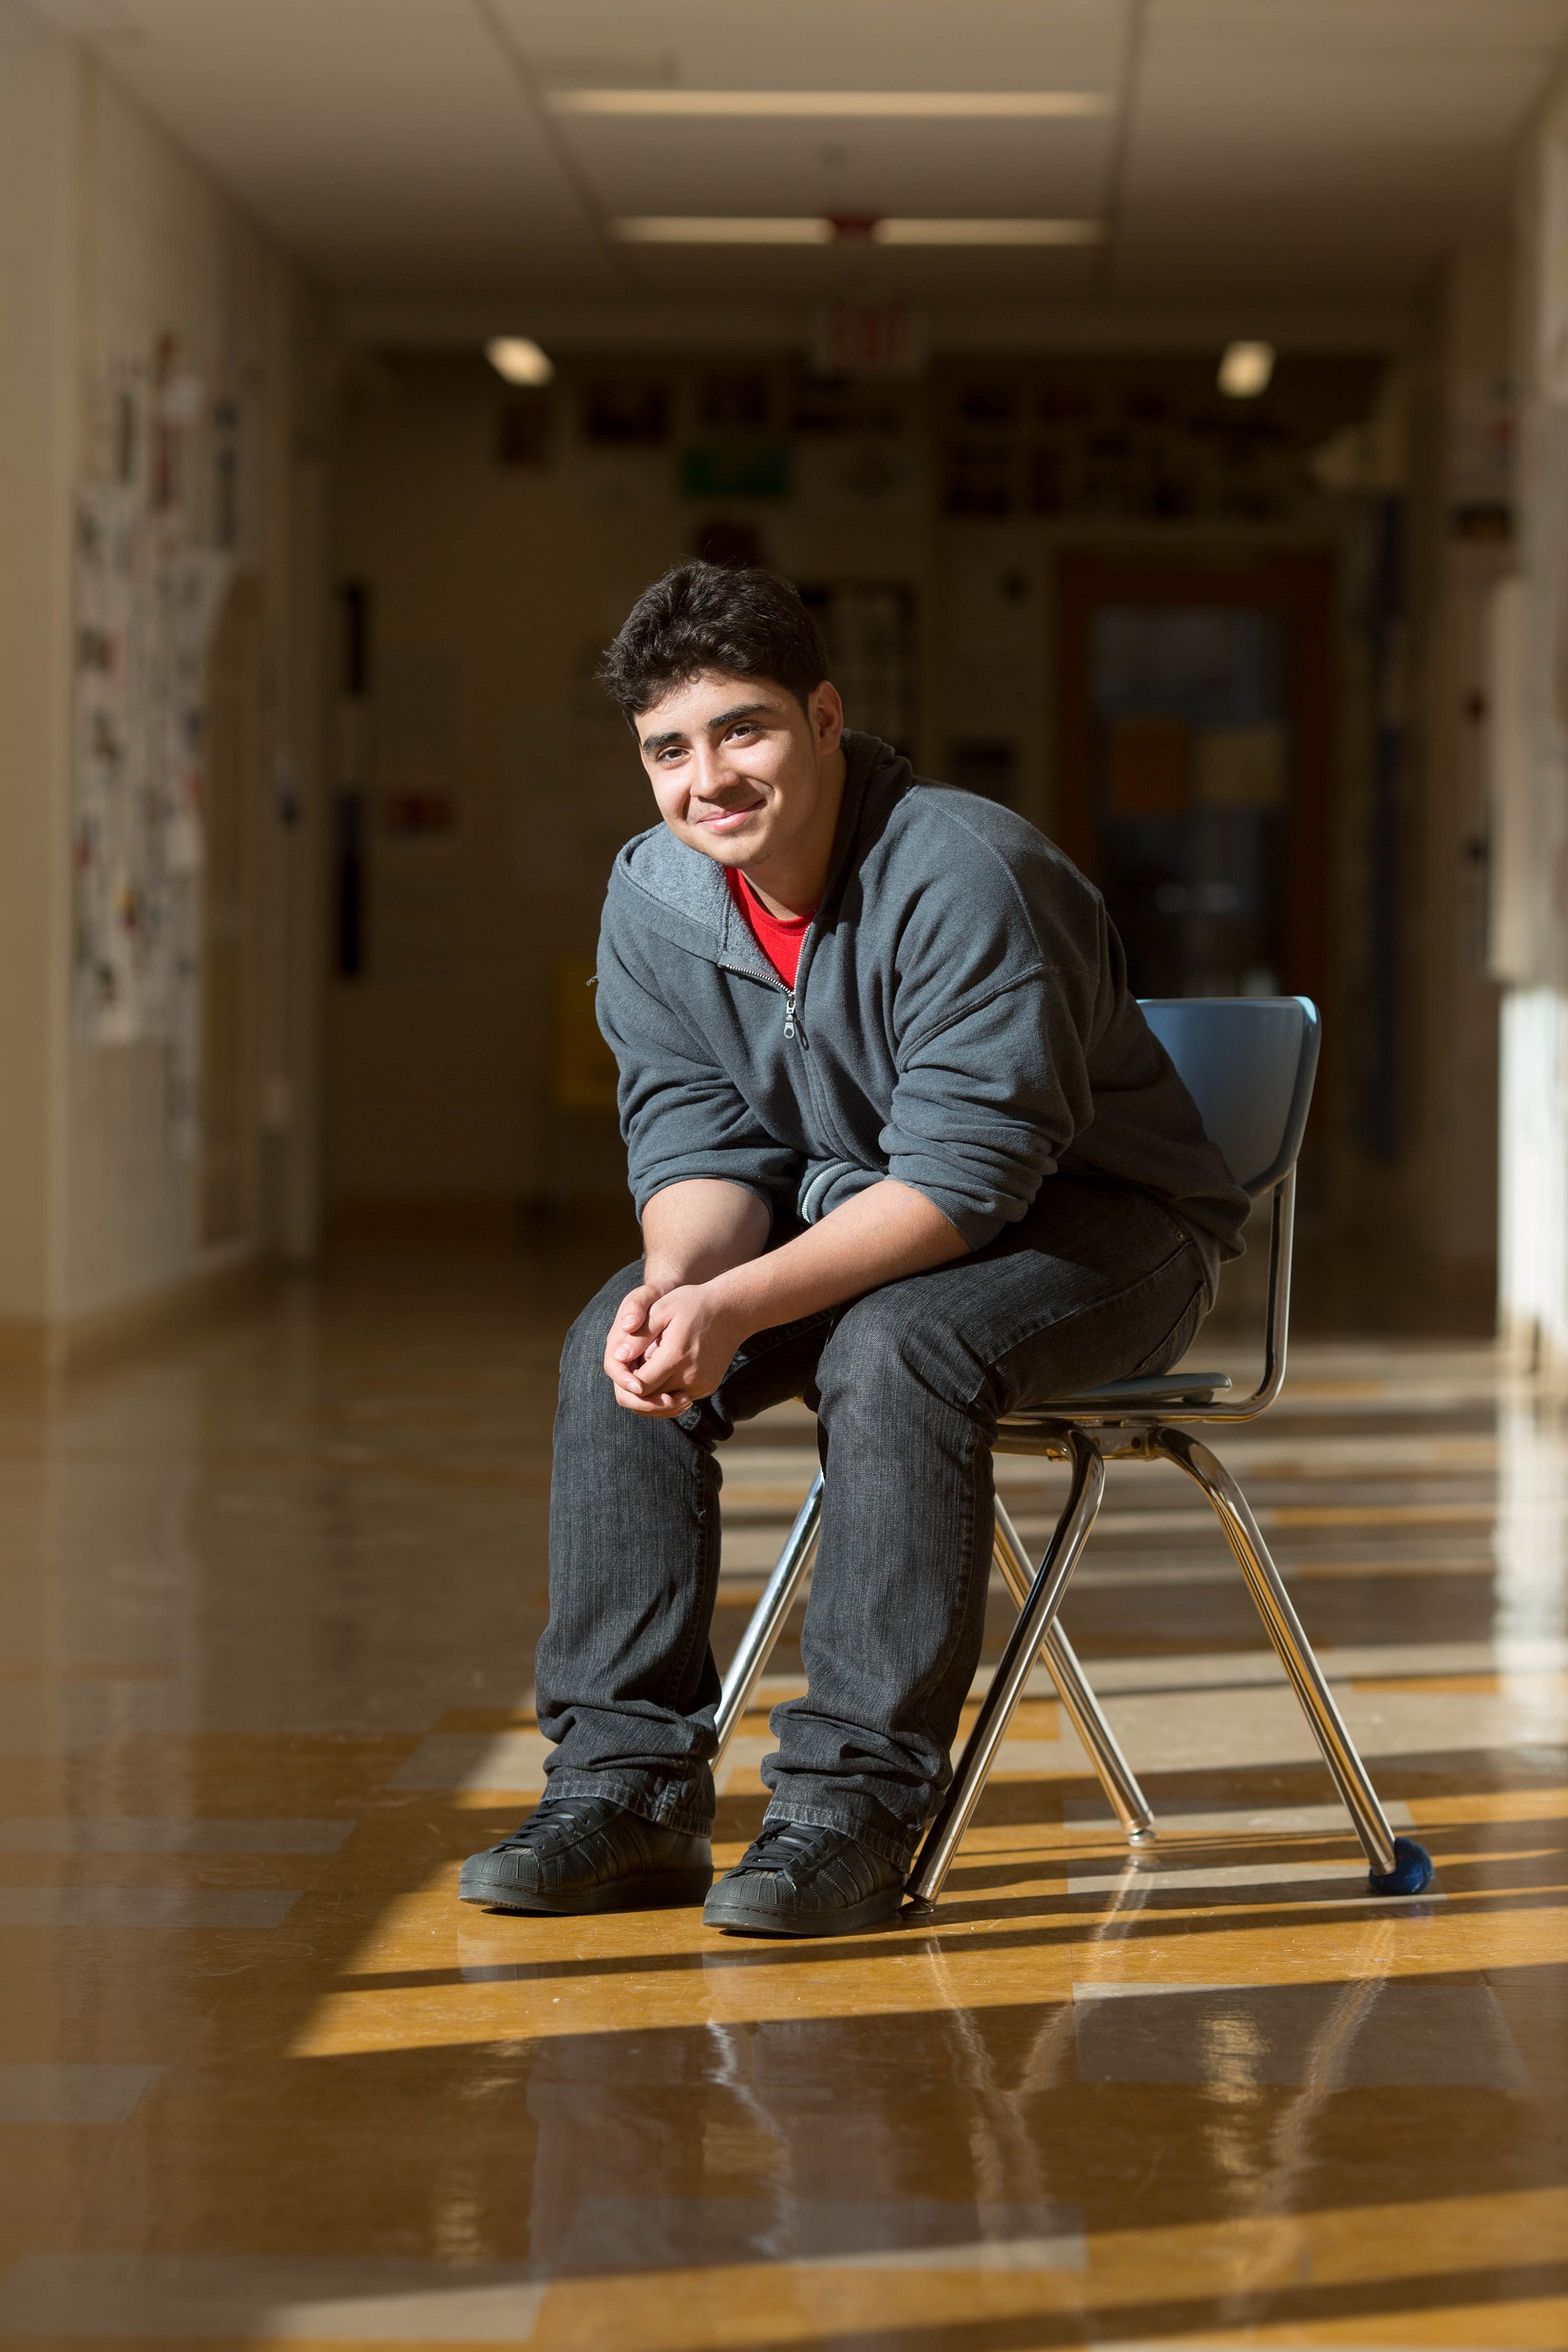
{"type": "Point", "coordinates": [147, 603]}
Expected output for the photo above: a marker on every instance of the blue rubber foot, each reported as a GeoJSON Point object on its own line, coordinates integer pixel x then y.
{"type": "Point", "coordinates": [1412, 1871]}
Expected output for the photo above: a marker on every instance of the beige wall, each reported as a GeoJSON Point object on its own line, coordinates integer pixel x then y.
{"type": "Point", "coordinates": [1529, 778]}
{"type": "Point", "coordinates": [39, 181]}
{"type": "Point", "coordinates": [115, 241]}
{"type": "Point", "coordinates": [1446, 1180]}
{"type": "Point", "coordinates": [500, 587]}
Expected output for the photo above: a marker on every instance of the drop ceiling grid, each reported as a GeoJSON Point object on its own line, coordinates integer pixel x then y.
{"type": "Point", "coordinates": [830, 44]}
{"type": "Point", "coordinates": [383, 141]}
{"type": "Point", "coordinates": [1310, 147]}
{"type": "Point", "coordinates": [1319, 151]}
{"type": "Point", "coordinates": [1404, 30]}
{"type": "Point", "coordinates": [982, 168]}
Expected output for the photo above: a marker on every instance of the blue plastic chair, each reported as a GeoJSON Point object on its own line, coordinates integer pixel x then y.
{"type": "Point", "coordinates": [1249, 1064]}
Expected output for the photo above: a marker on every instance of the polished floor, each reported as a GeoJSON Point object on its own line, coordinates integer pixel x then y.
{"type": "Point", "coordinates": [270, 1599]}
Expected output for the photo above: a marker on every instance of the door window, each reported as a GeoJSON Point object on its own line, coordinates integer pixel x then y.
{"type": "Point", "coordinates": [1192, 794]}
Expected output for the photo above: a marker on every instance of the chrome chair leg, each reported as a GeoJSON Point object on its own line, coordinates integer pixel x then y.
{"type": "Point", "coordinates": [1126, 1799]}
{"type": "Point", "coordinates": [1024, 1646]}
{"type": "Point", "coordinates": [778, 1598]}
{"type": "Point", "coordinates": [1397, 1866]}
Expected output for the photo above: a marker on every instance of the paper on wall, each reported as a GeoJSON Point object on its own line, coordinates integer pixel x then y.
{"type": "Point", "coordinates": [147, 601]}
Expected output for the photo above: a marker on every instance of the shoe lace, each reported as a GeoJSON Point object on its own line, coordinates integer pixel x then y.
{"type": "Point", "coordinates": [555, 1816]}
{"type": "Point", "coordinates": [781, 1842]}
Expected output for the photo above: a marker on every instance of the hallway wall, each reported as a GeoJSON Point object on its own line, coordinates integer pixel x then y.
{"type": "Point", "coordinates": [498, 541]}
{"type": "Point", "coordinates": [158, 340]}
{"type": "Point", "coordinates": [492, 542]}
{"type": "Point", "coordinates": [39, 163]}
{"type": "Point", "coordinates": [1469, 551]}
{"type": "Point", "coordinates": [1441, 455]}
{"type": "Point", "coordinates": [1529, 778]}
{"type": "Point", "coordinates": [497, 784]}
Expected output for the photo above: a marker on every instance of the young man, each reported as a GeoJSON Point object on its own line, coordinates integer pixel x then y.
{"type": "Point", "coordinates": [900, 1142]}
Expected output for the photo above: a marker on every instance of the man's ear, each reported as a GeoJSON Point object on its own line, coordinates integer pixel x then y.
{"type": "Point", "coordinates": [826, 713]}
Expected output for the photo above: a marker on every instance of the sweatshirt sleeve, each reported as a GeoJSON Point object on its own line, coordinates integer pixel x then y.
{"type": "Point", "coordinates": [680, 1115]}
{"type": "Point", "coordinates": [992, 1079]}
{"type": "Point", "coordinates": [984, 1108]}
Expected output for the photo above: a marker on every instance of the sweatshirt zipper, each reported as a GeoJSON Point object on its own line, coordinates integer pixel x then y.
{"type": "Point", "coordinates": [792, 1028]}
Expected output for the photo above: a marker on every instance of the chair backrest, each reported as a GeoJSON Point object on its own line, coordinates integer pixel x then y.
{"type": "Point", "coordinates": [1247, 1061]}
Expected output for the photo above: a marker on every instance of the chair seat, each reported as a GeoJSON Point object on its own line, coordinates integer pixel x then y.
{"type": "Point", "coordinates": [1151, 1389]}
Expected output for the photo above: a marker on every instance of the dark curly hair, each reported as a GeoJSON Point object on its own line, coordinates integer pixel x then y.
{"type": "Point", "coordinates": [708, 617]}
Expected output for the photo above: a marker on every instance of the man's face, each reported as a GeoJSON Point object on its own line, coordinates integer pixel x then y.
{"type": "Point", "coordinates": [738, 769]}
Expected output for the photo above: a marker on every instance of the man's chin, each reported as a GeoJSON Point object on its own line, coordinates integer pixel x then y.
{"type": "Point", "coordinates": [737, 849]}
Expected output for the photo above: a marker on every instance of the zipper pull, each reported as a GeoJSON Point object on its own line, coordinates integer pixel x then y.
{"type": "Point", "coordinates": [788, 1013]}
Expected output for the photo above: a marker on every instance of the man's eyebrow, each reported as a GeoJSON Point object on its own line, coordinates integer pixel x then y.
{"type": "Point", "coordinates": [727, 719]}
{"type": "Point", "coordinates": [724, 718]}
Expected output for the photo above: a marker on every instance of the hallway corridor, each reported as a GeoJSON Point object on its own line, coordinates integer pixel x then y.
{"type": "Point", "coordinates": [272, 1596]}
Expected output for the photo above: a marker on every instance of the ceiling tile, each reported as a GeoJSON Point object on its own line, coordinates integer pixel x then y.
{"type": "Point", "coordinates": [843, 169]}
{"type": "Point", "coordinates": [1289, 152]}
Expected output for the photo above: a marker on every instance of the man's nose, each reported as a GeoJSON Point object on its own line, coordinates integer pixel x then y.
{"type": "Point", "coordinates": [716, 778]}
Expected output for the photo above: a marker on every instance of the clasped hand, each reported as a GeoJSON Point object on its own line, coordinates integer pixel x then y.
{"type": "Point", "coordinates": [668, 1347]}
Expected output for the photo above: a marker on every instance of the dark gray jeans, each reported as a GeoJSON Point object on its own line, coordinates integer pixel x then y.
{"type": "Point", "coordinates": [1098, 1282]}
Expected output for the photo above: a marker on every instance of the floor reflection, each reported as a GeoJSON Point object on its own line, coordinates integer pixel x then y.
{"type": "Point", "coordinates": [263, 2082]}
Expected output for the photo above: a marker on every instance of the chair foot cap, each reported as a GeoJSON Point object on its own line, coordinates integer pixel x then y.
{"type": "Point", "coordinates": [1412, 1871]}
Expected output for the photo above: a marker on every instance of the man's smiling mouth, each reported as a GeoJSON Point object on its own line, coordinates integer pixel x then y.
{"type": "Point", "coordinates": [727, 820]}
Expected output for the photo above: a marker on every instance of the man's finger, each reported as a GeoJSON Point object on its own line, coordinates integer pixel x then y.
{"type": "Point", "coordinates": [663, 1407]}
{"type": "Point", "coordinates": [661, 1362]}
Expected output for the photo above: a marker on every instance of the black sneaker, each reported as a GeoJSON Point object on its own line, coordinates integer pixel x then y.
{"type": "Point", "coordinates": [588, 1854]}
{"type": "Point", "coordinates": [800, 1880]}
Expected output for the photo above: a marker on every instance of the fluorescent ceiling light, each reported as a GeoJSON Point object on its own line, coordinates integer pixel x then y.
{"type": "Point", "coordinates": [1245, 370]}
{"type": "Point", "coordinates": [681, 229]}
{"type": "Point", "coordinates": [518, 358]}
{"type": "Point", "coordinates": [768, 229]}
{"type": "Point", "coordinates": [987, 232]}
{"type": "Point", "coordinates": [840, 106]}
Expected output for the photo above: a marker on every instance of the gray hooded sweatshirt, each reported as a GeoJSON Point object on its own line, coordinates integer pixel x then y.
{"type": "Point", "coordinates": [959, 1021]}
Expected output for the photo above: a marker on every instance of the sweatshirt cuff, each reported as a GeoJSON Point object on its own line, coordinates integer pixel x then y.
{"type": "Point", "coordinates": [978, 1226]}
{"type": "Point", "coordinates": [717, 1174]}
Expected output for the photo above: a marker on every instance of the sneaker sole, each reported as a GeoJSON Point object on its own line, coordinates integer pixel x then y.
{"type": "Point", "coordinates": [661, 1891]}
{"type": "Point", "coordinates": [874, 1912]}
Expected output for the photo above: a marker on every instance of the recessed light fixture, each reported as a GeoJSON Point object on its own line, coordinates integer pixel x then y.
{"type": "Point", "coordinates": [1246, 369]}
{"type": "Point", "coordinates": [518, 358]}
{"type": "Point", "coordinates": [771, 229]}
{"type": "Point", "coordinates": [840, 106]}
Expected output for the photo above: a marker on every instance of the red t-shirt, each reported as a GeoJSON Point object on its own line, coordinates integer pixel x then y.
{"type": "Point", "coordinates": [779, 938]}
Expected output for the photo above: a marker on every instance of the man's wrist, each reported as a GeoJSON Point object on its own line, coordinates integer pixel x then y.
{"type": "Point", "coordinates": [736, 1292]}
{"type": "Point", "coordinates": [661, 1275]}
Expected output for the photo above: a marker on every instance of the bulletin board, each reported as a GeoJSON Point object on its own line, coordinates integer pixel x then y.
{"type": "Point", "coordinates": [147, 603]}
